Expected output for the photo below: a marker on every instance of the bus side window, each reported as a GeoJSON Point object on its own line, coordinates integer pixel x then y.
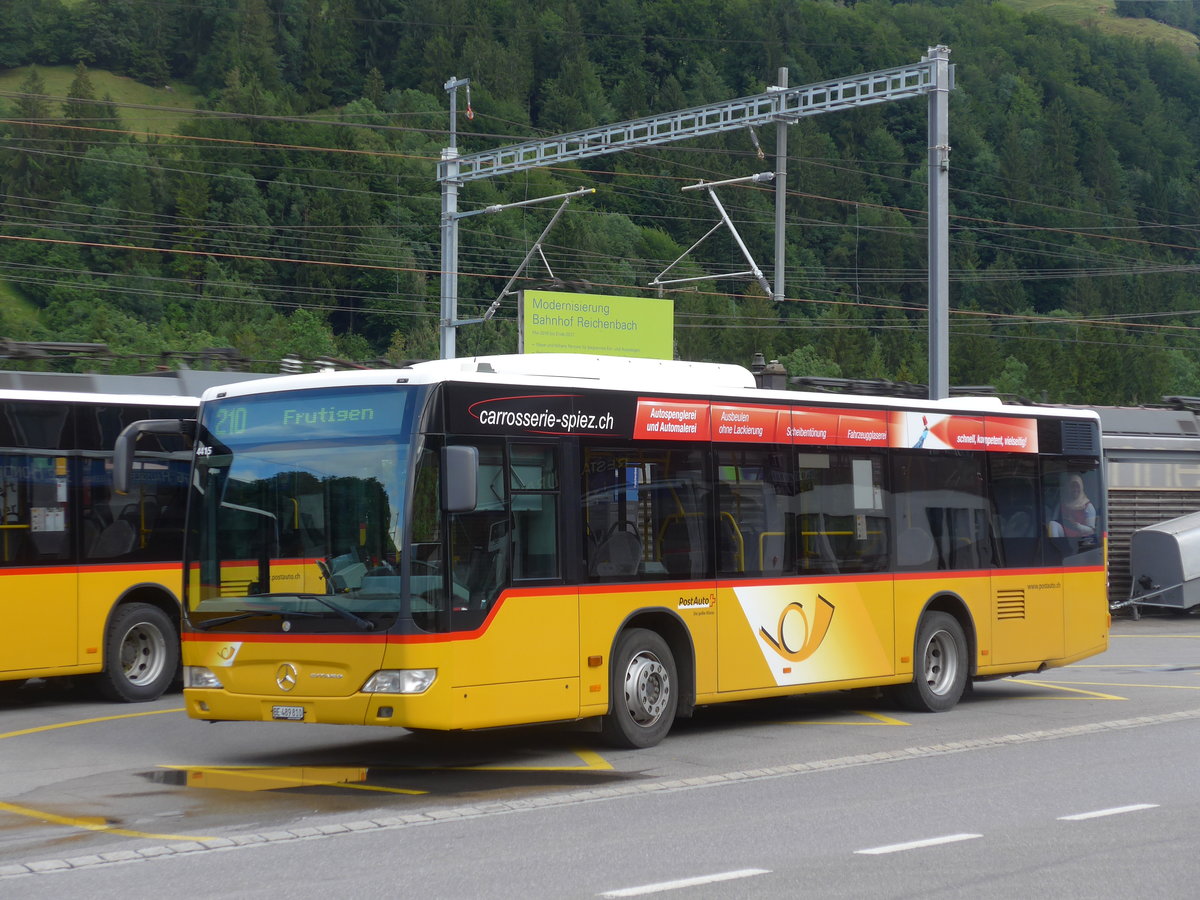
{"type": "Point", "coordinates": [753, 493]}
{"type": "Point", "coordinates": [942, 511]}
{"type": "Point", "coordinates": [533, 487]}
{"type": "Point", "coordinates": [1016, 511]}
{"type": "Point", "coordinates": [14, 515]}
{"type": "Point", "coordinates": [479, 543]}
{"type": "Point", "coordinates": [34, 524]}
{"type": "Point", "coordinates": [426, 567]}
{"type": "Point", "coordinates": [614, 542]}
{"type": "Point", "coordinates": [646, 511]}
{"type": "Point", "coordinates": [1073, 521]}
{"type": "Point", "coordinates": [842, 523]}
{"type": "Point", "coordinates": [35, 495]}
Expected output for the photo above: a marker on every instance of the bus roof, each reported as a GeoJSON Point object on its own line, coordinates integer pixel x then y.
{"type": "Point", "coordinates": [88, 397]}
{"type": "Point", "coordinates": [647, 376]}
{"type": "Point", "coordinates": [181, 387]}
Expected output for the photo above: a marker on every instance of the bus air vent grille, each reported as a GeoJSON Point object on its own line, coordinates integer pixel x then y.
{"type": "Point", "coordinates": [1010, 605]}
{"type": "Point", "coordinates": [1079, 437]}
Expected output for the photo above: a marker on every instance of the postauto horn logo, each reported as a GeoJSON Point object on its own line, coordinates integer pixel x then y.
{"type": "Point", "coordinates": [800, 629]}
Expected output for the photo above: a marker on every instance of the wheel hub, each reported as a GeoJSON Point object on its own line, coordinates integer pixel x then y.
{"type": "Point", "coordinates": [941, 663]}
{"type": "Point", "coordinates": [647, 688]}
{"type": "Point", "coordinates": [142, 654]}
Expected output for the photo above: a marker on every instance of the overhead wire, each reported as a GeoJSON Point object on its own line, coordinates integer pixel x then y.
{"type": "Point", "coordinates": [827, 275]}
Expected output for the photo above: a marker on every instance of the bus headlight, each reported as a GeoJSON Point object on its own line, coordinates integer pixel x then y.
{"type": "Point", "coordinates": [200, 677]}
{"type": "Point", "coordinates": [400, 681]}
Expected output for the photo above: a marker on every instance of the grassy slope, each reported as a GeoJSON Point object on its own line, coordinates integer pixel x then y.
{"type": "Point", "coordinates": [172, 103]}
{"type": "Point", "coordinates": [1101, 15]}
{"type": "Point", "coordinates": [14, 306]}
{"type": "Point", "coordinates": [172, 106]}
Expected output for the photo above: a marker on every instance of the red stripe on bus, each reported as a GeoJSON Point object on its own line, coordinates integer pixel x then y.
{"type": "Point", "coordinates": [225, 637]}
{"type": "Point", "coordinates": [478, 632]}
{"type": "Point", "coordinates": [89, 568]}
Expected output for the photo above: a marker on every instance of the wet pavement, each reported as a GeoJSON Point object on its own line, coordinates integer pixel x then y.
{"type": "Point", "coordinates": [77, 774]}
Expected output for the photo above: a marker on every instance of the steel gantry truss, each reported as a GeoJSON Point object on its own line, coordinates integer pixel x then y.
{"type": "Point", "coordinates": [932, 77]}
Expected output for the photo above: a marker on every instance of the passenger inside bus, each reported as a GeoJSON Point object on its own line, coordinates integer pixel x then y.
{"type": "Point", "coordinates": [1077, 514]}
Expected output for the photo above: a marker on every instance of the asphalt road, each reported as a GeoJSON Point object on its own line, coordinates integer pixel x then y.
{"type": "Point", "coordinates": [1076, 782]}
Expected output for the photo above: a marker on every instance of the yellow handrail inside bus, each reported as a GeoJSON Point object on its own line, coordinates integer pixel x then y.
{"type": "Point", "coordinates": [143, 529]}
{"type": "Point", "coordinates": [6, 529]}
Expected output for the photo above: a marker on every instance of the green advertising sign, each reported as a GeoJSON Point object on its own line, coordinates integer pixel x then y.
{"type": "Point", "coordinates": [553, 322]}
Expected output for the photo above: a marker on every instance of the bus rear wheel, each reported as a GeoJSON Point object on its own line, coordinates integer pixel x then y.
{"type": "Point", "coordinates": [643, 691]}
{"type": "Point", "coordinates": [940, 666]}
{"type": "Point", "coordinates": [141, 654]}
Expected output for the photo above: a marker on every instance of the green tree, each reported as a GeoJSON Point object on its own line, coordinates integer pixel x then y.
{"type": "Point", "coordinates": [806, 362]}
{"type": "Point", "coordinates": [28, 170]}
{"type": "Point", "coordinates": [242, 40]}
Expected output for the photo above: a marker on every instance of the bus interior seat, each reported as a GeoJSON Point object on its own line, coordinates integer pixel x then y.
{"type": "Point", "coordinates": [675, 545]}
{"type": "Point", "coordinates": [486, 571]}
{"type": "Point", "coordinates": [818, 554]}
{"type": "Point", "coordinates": [116, 539]}
{"type": "Point", "coordinates": [731, 545]}
{"type": "Point", "coordinates": [617, 555]}
{"type": "Point", "coordinates": [90, 527]}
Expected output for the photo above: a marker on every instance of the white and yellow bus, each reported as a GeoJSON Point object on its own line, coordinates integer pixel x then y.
{"type": "Point", "coordinates": [474, 543]}
{"type": "Point", "coordinates": [90, 580]}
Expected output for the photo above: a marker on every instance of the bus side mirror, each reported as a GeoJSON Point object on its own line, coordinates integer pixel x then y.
{"type": "Point", "coordinates": [460, 472]}
{"type": "Point", "coordinates": [126, 443]}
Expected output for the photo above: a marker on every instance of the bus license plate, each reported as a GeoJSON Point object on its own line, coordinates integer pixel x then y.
{"type": "Point", "coordinates": [290, 713]}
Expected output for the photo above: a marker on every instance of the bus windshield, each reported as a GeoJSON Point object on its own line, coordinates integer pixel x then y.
{"type": "Point", "coordinates": [299, 501]}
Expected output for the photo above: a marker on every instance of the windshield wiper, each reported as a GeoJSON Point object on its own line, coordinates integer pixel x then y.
{"type": "Point", "coordinates": [364, 624]}
{"type": "Point", "coordinates": [250, 614]}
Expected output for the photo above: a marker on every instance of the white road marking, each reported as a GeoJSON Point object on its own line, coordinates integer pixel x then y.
{"type": "Point", "coordinates": [916, 845]}
{"type": "Point", "coordinates": [1115, 811]}
{"type": "Point", "coordinates": [590, 794]}
{"type": "Point", "coordinates": [684, 883]}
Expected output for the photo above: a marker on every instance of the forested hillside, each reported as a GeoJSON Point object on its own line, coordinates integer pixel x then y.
{"type": "Point", "coordinates": [295, 210]}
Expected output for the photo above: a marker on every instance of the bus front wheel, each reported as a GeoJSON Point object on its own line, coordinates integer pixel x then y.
{"type": "Point", "coordinates": [141, 654]}
{"type": "Point", "coordinates": [643, 691]}
{"type": "Point", "coordinates": [940, 666]}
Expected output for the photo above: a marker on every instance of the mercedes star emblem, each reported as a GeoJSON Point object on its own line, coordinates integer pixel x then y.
{"type": "Point", "coordinates": [286, 677]}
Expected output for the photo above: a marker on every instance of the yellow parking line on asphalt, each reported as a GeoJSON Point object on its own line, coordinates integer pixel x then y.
{"type": "Point", "coordinates": [267, 778]}
{"type": "Point", "coordinates": [91, 823]}
{"type": "Point", "coordinates": [1120, 666]}
{"type": "Point", "coordinates": [1172, 687]}
{"type": "Point", "coordinates": [1153, 636]}
{"type": "Point", "coordinates": [591, 762]}
{"type": "Point", "coordinates": [1094, 695]}
{"type": "Point", "coordinates": [879, 718]}
{"type": "Point", "coordinates": [41, 728]}
{"type": "Point", "coordinates": [270, 778]}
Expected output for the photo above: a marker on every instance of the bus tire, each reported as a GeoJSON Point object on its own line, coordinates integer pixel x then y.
{"type": "Point", "coordinates": [141, 654]}
{"type": "Point", "coordinates": [644, 691]}
{"type": "Point", "coordinates": [940, 666]}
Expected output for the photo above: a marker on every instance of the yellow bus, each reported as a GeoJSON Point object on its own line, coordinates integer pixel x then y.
{"type": "Point", "coordinates": [89, 580]}
{"type": "Point", "coordinates": [466, 544]}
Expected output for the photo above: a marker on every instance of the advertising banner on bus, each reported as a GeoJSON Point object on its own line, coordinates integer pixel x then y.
{"type": "Point", "coordinates": [955, 432]}
{"type": "Point", "coordinates": [474, 409]}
